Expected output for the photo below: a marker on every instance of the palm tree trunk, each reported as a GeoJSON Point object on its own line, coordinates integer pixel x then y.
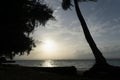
{"type": "Point", "coordinates": [97, 53]}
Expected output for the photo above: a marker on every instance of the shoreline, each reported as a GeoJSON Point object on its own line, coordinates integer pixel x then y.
{"type": "Point", "coordinates": [18, 72]}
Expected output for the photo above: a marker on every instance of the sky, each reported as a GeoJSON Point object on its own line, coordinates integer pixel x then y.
{"type": "Point", "coordinates": [64, 38]}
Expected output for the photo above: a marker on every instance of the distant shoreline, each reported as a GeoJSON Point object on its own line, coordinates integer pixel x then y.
{"type": "Point", "coordinates": [69, 59]}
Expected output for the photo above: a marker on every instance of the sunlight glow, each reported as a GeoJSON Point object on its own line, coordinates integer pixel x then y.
{"type": "Point", "coordinates": [49, 46]}
{"type": "Point", "coordinates": [47, 63]}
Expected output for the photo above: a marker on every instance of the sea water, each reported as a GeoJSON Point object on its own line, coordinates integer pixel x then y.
{"type": "Point", "coordinates": [79, 64]}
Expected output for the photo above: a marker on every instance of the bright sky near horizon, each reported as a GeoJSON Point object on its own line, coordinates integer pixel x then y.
{"type": "Point", "coordinates": [64, 38]}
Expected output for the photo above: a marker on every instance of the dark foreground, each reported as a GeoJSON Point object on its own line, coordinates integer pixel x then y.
{"type": "Point", "coordinates": [16, 72]}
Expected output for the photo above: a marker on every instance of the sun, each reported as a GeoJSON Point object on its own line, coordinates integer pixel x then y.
{"type": "Point", "coordinates": [48, 49]}
{"type": "Point", "coordinates": [49, 46]}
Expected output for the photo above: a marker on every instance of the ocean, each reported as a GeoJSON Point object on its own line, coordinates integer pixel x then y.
{"type": "Point", "coordinates": [79, 64]}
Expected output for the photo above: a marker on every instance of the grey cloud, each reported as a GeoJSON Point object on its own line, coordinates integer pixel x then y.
{"type": "Point", "coordinates": [103, 20]}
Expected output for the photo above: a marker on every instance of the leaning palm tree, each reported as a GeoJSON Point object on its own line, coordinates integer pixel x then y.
{"type": "Point", "coordinates": [99, 58]}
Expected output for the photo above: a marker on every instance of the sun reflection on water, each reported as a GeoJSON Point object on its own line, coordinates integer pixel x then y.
{"type": "Point", "coordinates": [48, 63]}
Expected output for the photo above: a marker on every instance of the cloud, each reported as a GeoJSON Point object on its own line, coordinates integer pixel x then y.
{"type": "Point", "coordinates": [67, 31]}
{"type": "Point", "coordinates": [102, 19]}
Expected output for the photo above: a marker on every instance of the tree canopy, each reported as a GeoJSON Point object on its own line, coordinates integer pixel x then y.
{"type": "Point", "coordinates": [18, 18]}
{"type": "Point", "coordinates": [67, 3]}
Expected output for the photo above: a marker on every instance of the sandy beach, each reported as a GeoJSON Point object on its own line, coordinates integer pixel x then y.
{"type": "Point", "coordinates": [16, 72]}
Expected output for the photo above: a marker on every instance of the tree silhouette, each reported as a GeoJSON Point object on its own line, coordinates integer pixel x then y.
{"type": "Point", "coordinates": [99, 58]}
{"type": "Point", "coordinates": [18, 18]}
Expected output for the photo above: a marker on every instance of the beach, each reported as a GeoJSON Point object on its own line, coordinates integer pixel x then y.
{"type": "Point", "coordinates": [17, 72]}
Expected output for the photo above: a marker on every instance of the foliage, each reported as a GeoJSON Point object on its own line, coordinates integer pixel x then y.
{"type": "Point", "coordinates": [18, 18]}
{"type": "Point", "coordinates": [67, 3]}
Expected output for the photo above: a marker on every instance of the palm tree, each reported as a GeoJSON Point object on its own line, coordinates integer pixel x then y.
{"type": "Point", "coordinates": [99, 58]}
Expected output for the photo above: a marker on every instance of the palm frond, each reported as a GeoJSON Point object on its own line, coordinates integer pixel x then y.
{"type": "Point", "coordinates": [66, 4]}
{"type": "Point", "coordinates": [86, 0]}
